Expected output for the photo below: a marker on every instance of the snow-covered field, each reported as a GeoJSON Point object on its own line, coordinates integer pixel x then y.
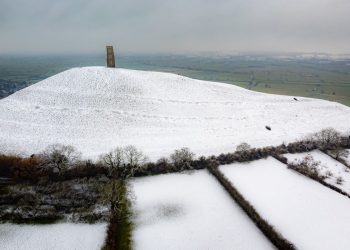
{"type": "Point", "coordinates": [327, 164]}
{"type": "Point", "coordinates": [57, 236]}
{"type": "Point", "coordinates": [190, 211]}
{"type": "Point", "coordinates": [98, 108]}
{"type": "Point", "coordinates": [307, 213]}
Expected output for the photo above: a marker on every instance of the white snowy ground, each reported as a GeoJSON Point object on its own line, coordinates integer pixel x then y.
{"type": "Point", "coordinates": [310, 215]}
{"type": "Point", "coordinates": [54, 237]}
{"type": "Point", "coordinates": [98, 108]}
{"type": "Point", "coordinates": [190, 211]}
{"type": "Point", "coordinates": [328, 164]}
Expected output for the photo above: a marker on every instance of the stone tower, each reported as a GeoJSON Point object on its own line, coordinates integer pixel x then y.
{"type": "Point", "coordinates": [110, 57]}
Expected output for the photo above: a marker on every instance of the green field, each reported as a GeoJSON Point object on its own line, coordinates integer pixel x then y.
{"type": "Point", "coordinates": [318, 78]}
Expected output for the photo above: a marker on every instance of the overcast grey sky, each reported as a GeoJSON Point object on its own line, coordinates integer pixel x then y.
{"type": "Point", "coordinates": [148, 26]}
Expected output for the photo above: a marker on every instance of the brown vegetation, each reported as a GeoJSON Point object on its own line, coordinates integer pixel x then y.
{"type": "Point", "coordinates": [308, 167]}
{"type": "Point", "coordinates": [19, 168]}
{"type": "Point", "coordinates": [312, 174]}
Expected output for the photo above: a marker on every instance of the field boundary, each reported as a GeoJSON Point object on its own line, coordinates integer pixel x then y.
{"type": "Point", "coordinates": [268, 230]}
{"type": "Point", "coordinates": [322, 182]}
{"type": "Point", "coordinates": [120, 226]}
{"type": "Point", "coordinates": [340, 160]}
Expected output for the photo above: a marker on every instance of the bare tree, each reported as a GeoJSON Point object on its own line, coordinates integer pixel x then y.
{"type": "Point", "coordinates": [114, 160]}
{"type": "Point", "coordinates": [328, 138]}
{"type": "Point", "coordinates": [59, 157]}
{"type": "Point", "coordinates": [182, 158]}
{"type": "Point", "coordinates": [134, 157]}
{"type": "Point", "coordinates": [243, 147]}
{"type": "Point", "coordinates": [122, 162]}
{"type": "Point", "coordinates": [339, 153]}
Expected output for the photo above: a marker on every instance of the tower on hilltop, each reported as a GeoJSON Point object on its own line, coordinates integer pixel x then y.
{"type": "Point", "coordinates": [110, 57]}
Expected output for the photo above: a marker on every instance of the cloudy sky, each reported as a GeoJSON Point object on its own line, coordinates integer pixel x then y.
{"type": "Point", "coordinates": [148, 26]}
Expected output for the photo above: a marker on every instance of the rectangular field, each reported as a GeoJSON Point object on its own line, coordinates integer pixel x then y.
{"type": "Point", "coordinates": [328, 167]}
{"type": "Point", "coordinates": [190, 211]}
{"type": "Point", "coordinates": [54, 237]}
{"type": "Point", "coordinates": [307, 213]}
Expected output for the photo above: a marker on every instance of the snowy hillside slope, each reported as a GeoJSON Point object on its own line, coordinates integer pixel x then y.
{"type": "Point", "coordinates": [98, 108]}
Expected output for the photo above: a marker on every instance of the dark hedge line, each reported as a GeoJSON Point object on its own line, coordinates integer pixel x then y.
{"type": "Point", "coordinates": [16, 167]}
{"type": "Point", "coordinates": [269, 231]}
{"type": "Point", "coordinates": [164, 167]}
{"type": "Point", "coordinates": [39, 219]}
{"type": "Point", "coordinates": [341, 160]}
{"type": "Point", "coordinates": [119, 228]}
{"type": "Point", "coordinates": [260, 153]}
{"type": "Point", "coordinates": [82, 170]}
{"type": "Point", "coordinates": [30, 169]}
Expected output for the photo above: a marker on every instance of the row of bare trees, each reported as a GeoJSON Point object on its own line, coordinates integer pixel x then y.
{"type": "Point", "coordinates": [123, 162]}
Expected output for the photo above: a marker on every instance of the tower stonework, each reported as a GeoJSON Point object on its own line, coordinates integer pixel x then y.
{"type": "Point", "coordinates": [110, 57]}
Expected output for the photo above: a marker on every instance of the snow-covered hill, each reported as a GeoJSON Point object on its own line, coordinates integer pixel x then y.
{"type": "Point", "coordinates": [98, 108]}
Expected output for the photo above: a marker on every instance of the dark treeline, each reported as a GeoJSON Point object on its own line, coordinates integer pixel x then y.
{"type": "Point", "coordinates": [31, 169]}
{"type": "Point", "coordinates": [246, 155]}
{"type": "Point", "coordinates": [62, 162]}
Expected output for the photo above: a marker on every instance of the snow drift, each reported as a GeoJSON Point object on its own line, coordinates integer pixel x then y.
{"type": "Point", "coordinates": [98, 108]}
